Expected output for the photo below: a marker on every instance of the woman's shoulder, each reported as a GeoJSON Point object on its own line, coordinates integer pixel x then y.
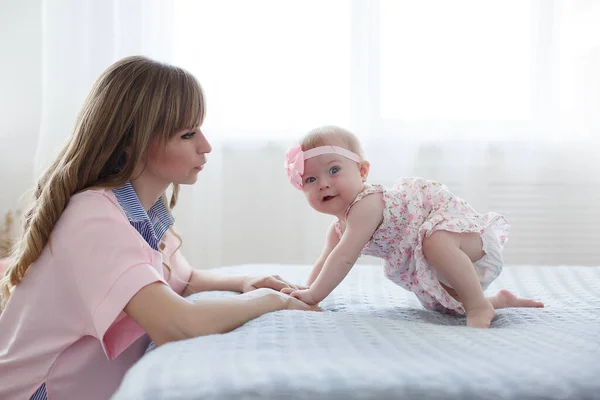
{"type": "Point", "coordinates": [93, 220]}
{"type": "Point", "coordinates": [94, 201]}
{"type": "Point", "coordinates": [93, 209]}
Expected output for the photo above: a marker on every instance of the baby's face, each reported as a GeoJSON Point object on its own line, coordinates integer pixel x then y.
{"type": "Point", "coordinates": [331, 182]}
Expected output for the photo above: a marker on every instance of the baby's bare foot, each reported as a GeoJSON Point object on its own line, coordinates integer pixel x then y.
{"type": "Point", "coordinates": [480, 317]}
{"type": "Point", "coordinates": [505, 299]}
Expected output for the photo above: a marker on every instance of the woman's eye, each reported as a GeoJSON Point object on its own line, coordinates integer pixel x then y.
{"type": "Point", "coordinates": [334, 170]}
{"type": "Point", "coordinates": [310, 180]}
{"type": "Point", "coordinates": [188, 135]}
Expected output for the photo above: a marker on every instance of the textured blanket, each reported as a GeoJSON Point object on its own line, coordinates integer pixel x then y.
{"type": "Point", "coordinates": [375, 341]}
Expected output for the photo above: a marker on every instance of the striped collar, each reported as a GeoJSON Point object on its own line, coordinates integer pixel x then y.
{"type": "Point", "coordinates": [153, 224]}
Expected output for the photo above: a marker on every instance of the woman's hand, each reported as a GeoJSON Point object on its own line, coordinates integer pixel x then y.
{"type": "Point", "coordinates": [287, 302]}
{"type": "Point", "coordinates": [274, 282]}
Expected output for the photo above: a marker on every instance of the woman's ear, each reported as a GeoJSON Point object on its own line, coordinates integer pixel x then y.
{"type": "Point", "coordinates": [364, 167]}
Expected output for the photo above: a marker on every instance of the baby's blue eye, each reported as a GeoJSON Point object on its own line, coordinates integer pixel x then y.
{"type": "Point", "coordinates": [334, 170]}
{"type": "Point", "coordinates": [310, 179]}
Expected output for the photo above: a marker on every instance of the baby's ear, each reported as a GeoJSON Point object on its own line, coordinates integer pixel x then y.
{"type": "Point", "coordinates": [364, 167]}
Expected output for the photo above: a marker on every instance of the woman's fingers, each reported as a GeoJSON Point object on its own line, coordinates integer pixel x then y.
{"type": "Point", "coordinates": [287, 290]}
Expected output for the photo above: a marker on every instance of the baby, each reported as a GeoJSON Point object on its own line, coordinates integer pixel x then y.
{"type": "Point", "coordinates": [433, 243]}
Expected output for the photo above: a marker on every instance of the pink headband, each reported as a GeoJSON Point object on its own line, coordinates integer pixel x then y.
{"type": "Point", "coordinates": [295, 157]}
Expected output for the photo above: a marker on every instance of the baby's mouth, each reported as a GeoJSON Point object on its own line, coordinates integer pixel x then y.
{"type": "Point", "coordinates": [327, 198]}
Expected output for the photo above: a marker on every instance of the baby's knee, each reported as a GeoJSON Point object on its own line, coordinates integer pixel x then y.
{"type": "Point", "coordinates": [435, 241]}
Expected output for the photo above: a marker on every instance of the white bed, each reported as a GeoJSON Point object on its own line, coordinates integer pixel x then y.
{"type": "Point", "coordinates": [376, 341]}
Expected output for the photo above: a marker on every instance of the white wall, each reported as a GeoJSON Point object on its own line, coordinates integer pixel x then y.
{"type": "Point", "coordinates": [20, 95]}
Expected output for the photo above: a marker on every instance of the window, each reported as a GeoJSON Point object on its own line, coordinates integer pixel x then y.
{"type": "Point", "coordinates": [492, 69]}
{"type": "Point", "coordinates": [268, 67]}
{"type": "Point", "coordinates": [455, 60]}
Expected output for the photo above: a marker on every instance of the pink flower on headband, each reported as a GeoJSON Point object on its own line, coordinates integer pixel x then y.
{"type": "Point", "coordinates": [294, 165]}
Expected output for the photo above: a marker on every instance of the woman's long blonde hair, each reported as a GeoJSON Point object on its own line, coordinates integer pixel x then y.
{"type": "Point", "coordinates": [135, 101]}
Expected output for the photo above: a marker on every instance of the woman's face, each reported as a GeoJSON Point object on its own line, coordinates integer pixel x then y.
{"type": "Point", "coordinates": [180, 160]}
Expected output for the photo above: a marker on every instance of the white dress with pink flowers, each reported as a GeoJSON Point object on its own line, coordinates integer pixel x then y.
{"type": "Point", "coordinates": [415, 208]}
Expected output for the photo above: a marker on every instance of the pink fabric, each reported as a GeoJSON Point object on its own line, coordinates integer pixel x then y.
{"type": "Point", "coordinates": [317, 151]}
{"type": "Point", "coordinates": [64, 323]}
{"type": "Point", "coordinates": [415, 208]}
{"type": "Point", "coordinates": [295, 157]}
{"type": "Point", "coordinates": [294, 166]}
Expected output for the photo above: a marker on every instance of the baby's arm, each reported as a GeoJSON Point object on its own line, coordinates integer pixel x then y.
{"type": "Point", "coordinates": [331, 240]}
{"type": "Point", "coordinates": [362, 221]}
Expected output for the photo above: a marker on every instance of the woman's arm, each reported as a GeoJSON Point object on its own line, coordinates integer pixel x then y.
{"type": "Point", "coordinates": [167, 317]}
{"type": "Point", "coordinates": [362, 221]}
{"type": "Point", "coordinates": [203, 281]}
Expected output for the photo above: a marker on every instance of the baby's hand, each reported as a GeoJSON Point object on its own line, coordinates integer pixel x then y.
{"type": "Point", "coordinates": [304, 295]}
{"type": "Point", "coordinates": [290, 290]}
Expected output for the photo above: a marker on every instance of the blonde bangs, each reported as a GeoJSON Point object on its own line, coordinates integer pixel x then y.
{"type": "Point", "coordinates": [183, 106]}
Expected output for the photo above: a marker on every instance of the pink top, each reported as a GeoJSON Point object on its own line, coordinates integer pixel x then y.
{"type": "Point", "coordinates": [64, 323]}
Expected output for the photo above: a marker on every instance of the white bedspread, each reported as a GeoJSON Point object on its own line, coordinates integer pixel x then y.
{"type": "Point", "coordinates": [376, 341]}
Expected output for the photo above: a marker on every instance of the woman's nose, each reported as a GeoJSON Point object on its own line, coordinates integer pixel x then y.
{"type": "Point", "coordinates": [203, 145]}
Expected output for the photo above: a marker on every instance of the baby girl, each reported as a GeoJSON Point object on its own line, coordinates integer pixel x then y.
{"type": "Point", "coordinates": [433, 242]}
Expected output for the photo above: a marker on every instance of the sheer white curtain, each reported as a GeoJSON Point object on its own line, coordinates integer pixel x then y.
{"type": "Point", "coordinates": [498, 99]}
{"type": "Point", "coordinates": [79, 40]}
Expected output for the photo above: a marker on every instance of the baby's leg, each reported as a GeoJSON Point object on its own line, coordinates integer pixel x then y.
{"type": "Point", "coordinates": [506, 299]}
{"type": "Point", "coordinates": [502, 299]}
{"type": "Point", "coordinates": [452, 255]}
